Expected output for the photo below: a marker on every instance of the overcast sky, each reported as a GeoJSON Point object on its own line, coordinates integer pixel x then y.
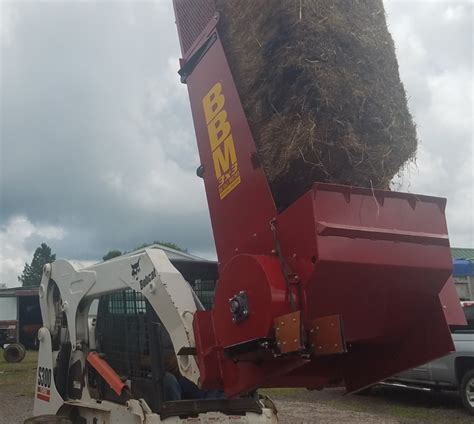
{"type": "Point", "coordinates": [97, 143]}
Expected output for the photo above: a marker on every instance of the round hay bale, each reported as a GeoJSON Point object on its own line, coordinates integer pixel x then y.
{"type": "Point", "coordinates": [319, 83]}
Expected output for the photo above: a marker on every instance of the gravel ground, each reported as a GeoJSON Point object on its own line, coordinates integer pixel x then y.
{"type": "Point", "coordinates": [15, 408]}
{"type": "Point", "coordinates": [292, 412]}
{"type": "Point", "coordinates": [17, 389]}
{"type": "Point", "coordinates": [384, 406]}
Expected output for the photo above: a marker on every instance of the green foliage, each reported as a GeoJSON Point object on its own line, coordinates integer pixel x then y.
{"type": "Point", "coordinates": [111, 254]}
{"type": "Point", "coordinates": [31, 276]}
{"type": "Point", "coordinates": [163, 243]}
{"type": "Point", "coordinates": [114, 253]}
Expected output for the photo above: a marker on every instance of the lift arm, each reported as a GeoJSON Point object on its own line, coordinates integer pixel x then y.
{"type": "Point", "coordinates": [64, 288]}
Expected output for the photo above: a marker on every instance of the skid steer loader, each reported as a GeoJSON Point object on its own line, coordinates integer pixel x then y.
{"type": "Point", "coordinates": [109, 368]}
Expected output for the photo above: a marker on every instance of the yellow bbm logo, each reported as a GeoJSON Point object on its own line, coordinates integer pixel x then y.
{"type": "Point", "coordinates": [222, 143]}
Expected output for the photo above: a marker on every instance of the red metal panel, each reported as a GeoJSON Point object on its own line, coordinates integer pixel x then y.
{"type": "Point", "coordinates": [238, 213]}
{"type": "Point", "coordinates": [207, 350]}
{"type": "Point", "coordinates": [13, 330]}
{"type": "Point", "coordinates": [192, 16]}
{"type": "Point", "coordinates": [426, 339]}
{"type": "Point", "coordinates": [314, 375]}
{"type": "Point", "coordinates": [450, 302]}
{"type": "Point", "coordinates": [260, 277]}
{"type": "Point", "coordinates": [382, 277]}
{"type": "Point", "coordinates": [366, 272]}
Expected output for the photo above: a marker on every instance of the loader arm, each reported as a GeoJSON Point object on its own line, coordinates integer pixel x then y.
{"type": "Point", "coordinates": [150, 273]}
{"type": "Point", "coordinates": [336, 287]}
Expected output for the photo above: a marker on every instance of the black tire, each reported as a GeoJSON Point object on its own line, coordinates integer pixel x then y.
{"type": "Point", "coordinates": [14, 353]}
{"type": "Point", "coordinates": [467, 391]}
{"type": "Point", "coordinates": [22, 347]}
{"type": "Point", "coordinates": [48, 419]}
{"type": "Point", "coordinates": [365, 392]}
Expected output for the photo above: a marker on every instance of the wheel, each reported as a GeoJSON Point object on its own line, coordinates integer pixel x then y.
{"type": "Point", "coordinates": [14, 352]}
{"type": "Point", "coordinates": [22, 347]}
{"type": "Point", "coordinates": [365, 392]}
{"type": "Point", "coordinates": [48, 419]}
{"type": "Point", "coordinates": [467, 391]}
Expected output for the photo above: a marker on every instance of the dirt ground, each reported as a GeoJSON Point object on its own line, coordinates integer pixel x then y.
{"type": "Point", "coordinates": [17, 389]}
{"type": "Point", "coordinates": [384, 405]}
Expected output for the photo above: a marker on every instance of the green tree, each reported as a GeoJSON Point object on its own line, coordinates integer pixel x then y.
{"type": "Point", "coordinates": [31, 276]}
{"type": "Point", "coordinates": [114, 253]}
{"type": "Point", "coordinates": [172, 246]}
{"type": "Point", "coordinates": [111, 254]}
{"type": "Point", "coordinates": [163, 243]}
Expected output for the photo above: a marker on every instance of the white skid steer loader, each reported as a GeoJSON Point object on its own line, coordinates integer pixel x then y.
{"type": "Point", "coordinates": [110, 368]}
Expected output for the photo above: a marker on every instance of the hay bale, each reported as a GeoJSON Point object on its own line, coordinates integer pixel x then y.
{"type": "Point", "coordinates": [320, 86]}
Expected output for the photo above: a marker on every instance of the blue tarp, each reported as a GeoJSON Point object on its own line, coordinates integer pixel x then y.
{"type": "Point", "coordinates": [463, 267]}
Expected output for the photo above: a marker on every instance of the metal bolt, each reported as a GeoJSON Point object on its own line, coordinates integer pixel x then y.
{"type": "Point", "coordinates": [296, 340]}
{"type": "Point", "coordinates": [320, 347]}
{"type": "Point", "coordinates": [284, 343]}
{"type": "Point", "coordinates": [335, 345]}
{"type": "Point", "coordinates": [282, 323]}
{"type": "Point", "coordinates": [234, 306]}
{"type": "Point", "coordinates": [294, 319]}
{"type": "Point", "coordinates": [311, 331]}
{"type": "Point", "coordinates": [317, 328]}
{"type": "Point", "coordinates": [277, 329]}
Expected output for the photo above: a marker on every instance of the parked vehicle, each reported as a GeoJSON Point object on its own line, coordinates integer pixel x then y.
{"type": "Point", "coordinates": [452, 372]}
{"type": "Point", "coordinates": [13, 351]}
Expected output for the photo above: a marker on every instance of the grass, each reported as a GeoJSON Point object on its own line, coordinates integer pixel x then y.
{"type": "Point", "coordinates": [19, 379]}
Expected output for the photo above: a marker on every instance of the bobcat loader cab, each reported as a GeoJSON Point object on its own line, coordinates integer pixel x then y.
{"type": "Point", "coordinates": [109, 369]}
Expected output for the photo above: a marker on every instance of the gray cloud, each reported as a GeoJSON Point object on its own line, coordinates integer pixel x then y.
{"type": "Point", "coordinates": [435, 48]}
{"type": "Point", "coordinates": [96, 130]}
{"type": "Point", "coordinates": [97, 139]}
